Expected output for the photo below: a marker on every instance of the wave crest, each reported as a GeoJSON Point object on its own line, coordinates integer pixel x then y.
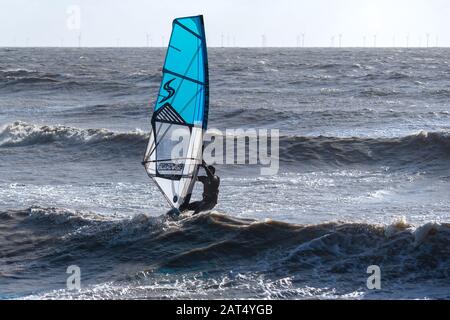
{"type": "Point", "coordinates": [23, 134]}
{"type": "Point", "coordinates": [422, 148]}
{"type": "Point", "coordinates": [217, 239]}
{"type": "Point", "coordinates": [142, 248]}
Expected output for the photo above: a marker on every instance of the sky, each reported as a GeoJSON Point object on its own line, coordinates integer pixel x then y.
{"type": "Point", "coordinates": [243, 23]}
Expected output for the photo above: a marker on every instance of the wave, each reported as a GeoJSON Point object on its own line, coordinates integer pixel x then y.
{"type": "Point", "coordinates": [258, 116]}
{"type": "Point", "coordinates": [49, 239]}
{"type": "Point", "coordinates": [387, 75]}
{"type": "Point", "coordinates": [269, 117]}
{"type": "Point", "coordinates": [423, 148]}
{"type": "Point", "coordinates": [20, 72]}
{"type": "Point", "coordinates": [20, 79]}
{"type": "Point", "coordinates": [378, 92]}
{"type": "Point", "coordinates": [23, 134]}
{"type": "Point", "coordinates": [386, 92]}
{"type": "Point", "coordinates": [439, 93]}
{"type": "Point", "coordinates": [128, 109]}
{"type": "Point", "coordinates": [22, 75]}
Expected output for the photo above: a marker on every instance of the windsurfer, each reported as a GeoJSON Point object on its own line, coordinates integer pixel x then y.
{"type": "Point", "coordinates": [211, 184]}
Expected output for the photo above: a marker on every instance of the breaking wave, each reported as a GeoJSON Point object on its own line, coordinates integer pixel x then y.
{"type": "Point", "coordinates": [421, 148]}
{"type": "Point", "coordinates": [127, 249]}
{"type": "Point", "coordinates": [23, 134]}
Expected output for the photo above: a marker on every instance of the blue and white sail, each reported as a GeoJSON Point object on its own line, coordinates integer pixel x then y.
{"type": "Point", "coordinates": [180, 115]}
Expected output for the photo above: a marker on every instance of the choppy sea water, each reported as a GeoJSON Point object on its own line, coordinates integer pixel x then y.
{"type": "Point", "coordinates": [364, 177]}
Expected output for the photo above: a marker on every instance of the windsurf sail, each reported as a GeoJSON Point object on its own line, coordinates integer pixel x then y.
{"type": "Point", "coordinates": [180, 115]}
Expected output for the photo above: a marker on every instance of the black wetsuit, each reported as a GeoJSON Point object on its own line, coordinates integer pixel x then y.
{"type": "Point", "coordinates": [211, 184]}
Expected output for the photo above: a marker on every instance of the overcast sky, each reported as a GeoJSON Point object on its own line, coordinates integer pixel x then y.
{"type": "Point", "coordinates": [228, 22]}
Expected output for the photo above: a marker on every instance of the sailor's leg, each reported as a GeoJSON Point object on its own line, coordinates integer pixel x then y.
{"type": "Point", "coordinates": [199, 207]}
{"type": "Point", "coordinates": [194, 205]}
{"type": "Point", "coordinates": [185, 204]}
{"type": "Point", "coordinates": [204, 206]}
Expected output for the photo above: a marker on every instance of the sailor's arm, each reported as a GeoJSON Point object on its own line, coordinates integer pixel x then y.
{"type": "Point", "coordinates": [208, 172]}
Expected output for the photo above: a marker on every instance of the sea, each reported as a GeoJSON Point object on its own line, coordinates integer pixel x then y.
{"type": "Point", "coordinates": [358, 209]}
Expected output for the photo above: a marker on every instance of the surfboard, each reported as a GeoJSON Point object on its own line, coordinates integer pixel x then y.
{"type": "Point", "coordinates": [180, 113]}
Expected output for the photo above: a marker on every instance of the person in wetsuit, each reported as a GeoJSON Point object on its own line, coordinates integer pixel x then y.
{"type": "Point", "coordinates": [211, 184]}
